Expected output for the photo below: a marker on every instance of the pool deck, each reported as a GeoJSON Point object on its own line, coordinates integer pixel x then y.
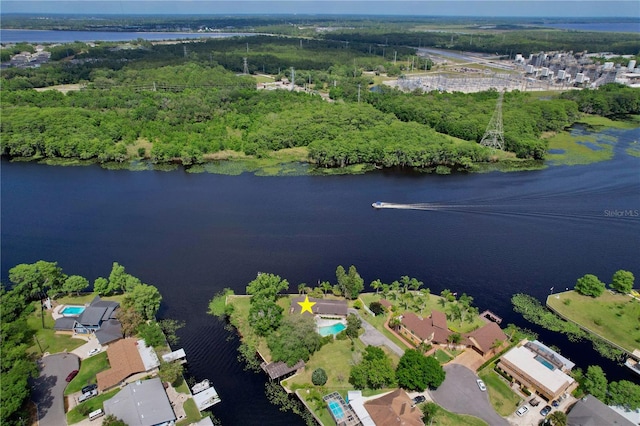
{"type": "Point", "coordinates": [320, 322]}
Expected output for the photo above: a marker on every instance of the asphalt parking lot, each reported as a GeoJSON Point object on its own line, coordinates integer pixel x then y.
{"type": "Point", "coordinates": [459, 393]}
{"type": "Point", "coordinates": [48, 388]}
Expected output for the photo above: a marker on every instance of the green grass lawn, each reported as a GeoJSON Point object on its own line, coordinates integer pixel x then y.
{"type": "Point", "coordinates": [191, 410]}
{"type": "Point", "coordinates": [613, 316]}
{"type": "Point", "coordinates": [75, 415]}
{"type": "Point", "coordinates": [86, 298]}
{"type": "Point", "coordinates": [442, 356]}
{"type": "Point", "coordinates": [447, 418]}
{"type": "Point", "coordinates": [45, 339]}
{"type": "Point", "coordinates": [502, 398]}
{"type": "Point", "coordinates": [87, 374]}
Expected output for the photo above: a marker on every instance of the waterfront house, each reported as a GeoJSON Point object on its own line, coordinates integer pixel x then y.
{"type": "Point", "coordinates": [590, 411]}
{"type": "Point", "coordinates": [125, 360]}
{"type": "Point", "coordinates": [430, 330]}
{"type": "Point", "coordinates": [142, 403]}
{"type": "Point", "coordinates": [395, 408]}
{"type": "Point", "coordinates": [539, 369]}
{"type": "Point", "coordinates": [485, 339]}
{"type": "Point", "coordinates": [99, 317]}
{"type": "Point", "coordinates": [321, 307]}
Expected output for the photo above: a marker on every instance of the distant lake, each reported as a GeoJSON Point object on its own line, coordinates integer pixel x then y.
{"type": "Point", "coordinates": [612, 27]}
{"type": "Point", "coordinates": [46, 36]}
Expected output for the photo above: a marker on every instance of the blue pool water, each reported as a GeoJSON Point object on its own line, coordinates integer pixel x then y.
{"type": "Point", "coordinates": [336, 410]}
{"type": "Point", "coordinates": [70, 311]}
{"type": "Point", "coordinates": [545, 363]}
{"type": "Point", "coordinates": [331, 329]}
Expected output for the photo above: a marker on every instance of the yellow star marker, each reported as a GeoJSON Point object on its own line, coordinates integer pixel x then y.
{"type": "Point", "coordinates": [306, 305]}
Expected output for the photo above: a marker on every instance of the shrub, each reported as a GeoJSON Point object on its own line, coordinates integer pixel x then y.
{"type": "Point", "coordinates": [319, 377]}
{"type": "Point", "coordinates": [357, 304]}
{"type": "Point", "coordinates": [376, 308]}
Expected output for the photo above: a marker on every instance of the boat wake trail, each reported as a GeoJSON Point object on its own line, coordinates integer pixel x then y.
{"type": "Point", "coordinates": [523, 208]}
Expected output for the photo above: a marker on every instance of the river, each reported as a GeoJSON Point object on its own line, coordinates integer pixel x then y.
{"type": "Point", "coordinates": [191, 235]}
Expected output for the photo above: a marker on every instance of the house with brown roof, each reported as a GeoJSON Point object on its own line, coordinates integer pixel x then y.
{"type": "Point", "coordinates": [485, 339]}
{"type": "Point", "coordinates": [394, 408]}
{"type": "Point", "coordinates": [125, 361]}
{"type": "Point", "coordinates": [431, 330]}
{"type": "Point", "coordinates": [322, 307]}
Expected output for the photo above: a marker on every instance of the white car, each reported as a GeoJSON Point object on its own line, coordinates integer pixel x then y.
{"type": "Point", "coordinates": [481, 385]}
{"type": "Point", "coordinates": [522, 410]}
{"type": "Point", "coordinates": [94, 351]}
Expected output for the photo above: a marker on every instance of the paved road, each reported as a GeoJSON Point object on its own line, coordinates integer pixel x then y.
{"type": "Point", "coordinates": [48, 388]}
{"type": "Point", "coordinates": [373, 337]}
{"type": "Point", "coordinates": [460, 394]}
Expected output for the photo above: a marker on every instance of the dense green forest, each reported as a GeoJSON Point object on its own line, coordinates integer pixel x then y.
{"type": "Point", "coordinates": [183, 103]}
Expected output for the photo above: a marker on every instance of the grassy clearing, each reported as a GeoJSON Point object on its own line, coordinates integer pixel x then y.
{"type": "Point", "coordinates": [75, 415]}
{"type": "Point", "coordinates": [86, 298]}
{"type": "Point", "coordinates": [502, 398]}
{"type": "Point", "coordinates": [612, 316]}
{"type": "Point", "coordinates": [597, 122]}
{"type": "Point", "coordinates": [240, 320]}
{"type": "Point", "coordinates": [567, 149]}
{"type": "Point", "coordinates": [87, 374]}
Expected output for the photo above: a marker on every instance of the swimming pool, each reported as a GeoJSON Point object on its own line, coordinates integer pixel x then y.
{"type": "Point", "coordinates": [331, 329]}
{"type": "Point", "coordinates": [544, 362]}
{"type": "Point", "coordinates": [336, 410]}
{"type": "Point", "coordinates": [72, 311]}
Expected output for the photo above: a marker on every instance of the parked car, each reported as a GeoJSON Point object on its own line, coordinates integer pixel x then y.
{"type": "Point", "coordinates": [94, 351]}
{"type": "Point", "coordinates": [522, 410]}
{"type": "Point", "coordinates": [87, 395]}
{"type": "Point", "coordinates": [546, 410]}
{"type": "Point", "coordinates": [418, 400]}
{"type": "Point", "coordinates": [534, 402]}
{"type": "Point", "coordinates": [71, 375]}
{"type": "Point", "coordinates": [89, 388]}
{"type": "Point", "coordinates": [555, 403]}
{"type": "Point", "coordinates": [481, 385]}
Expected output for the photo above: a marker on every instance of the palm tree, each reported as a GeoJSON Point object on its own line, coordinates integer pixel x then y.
{"type": "Point", "coordinates": [446, 294]}
{"type": "Point", "coordinates": [466, 300]}
{"type": "Point", "coordinates": [301, 288]}
{"type": "Point", "coordinates": [385, 290]}
{"type": "Point", "coordinates": [326, 286]}
{"type": "Point", "coordinates": [442, 301]}
{"type": "Point", "coordinates": [415, 284]}
{"type": "Point", "coordinates": [426, 292]}
{"type": "Point", "coordinates": [376, 285]}
{"type": "Point", "coordinates": [394, 323]}
{"type": "Point", "coordinates": [558, 418]}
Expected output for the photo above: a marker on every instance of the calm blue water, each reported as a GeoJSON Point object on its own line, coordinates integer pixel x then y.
{"type": "Point", "coordinates": [331, 329]}
{"type": "Point", "coordinates": [615, 27]}
{"type": "Point", "coordinates": [72, 310]}
{"type": "Point", "coordinates": [39, 36]}
{"type": "Point", "coordinates": [193, 234]}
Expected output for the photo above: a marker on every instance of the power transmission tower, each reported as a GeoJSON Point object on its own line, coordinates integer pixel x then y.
{"type": "Point", "coordinates": [494, 135]}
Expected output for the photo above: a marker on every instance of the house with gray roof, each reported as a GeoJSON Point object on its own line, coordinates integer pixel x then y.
{"type": "Point", "coordinates": [590, 411]}
{"type": "Point", "coordinates": [98, 317]}
{"type": "Point", "coordinates": [143, 403]}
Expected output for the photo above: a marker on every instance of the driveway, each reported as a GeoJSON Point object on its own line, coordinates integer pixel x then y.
{"type": "Point", "coordinates": [48, 388]}
{"type": "Point", "coordinates": [460, 394]}
{"type": "Point", "coordinates": [373, 337]}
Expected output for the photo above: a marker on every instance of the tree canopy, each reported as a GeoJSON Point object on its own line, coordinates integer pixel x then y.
{"type": "Point", "coordinates": [374, 371]}
{"type": "Point", "coordinates": [622, 281]}
{"type": "Point", "coordinates": [590, 285]}
{"type": "Point", "coordinates": [296, 339]}
{"type": "Point", "coordinates": [417, 372]}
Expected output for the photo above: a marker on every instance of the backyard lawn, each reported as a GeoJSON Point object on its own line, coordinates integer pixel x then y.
{"type": "Point", "coordinates": [87, 374]}
{"type": "Point", "coordinates": [502, 398]}
{"type": "Point", "coordinates": [612, 315]}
